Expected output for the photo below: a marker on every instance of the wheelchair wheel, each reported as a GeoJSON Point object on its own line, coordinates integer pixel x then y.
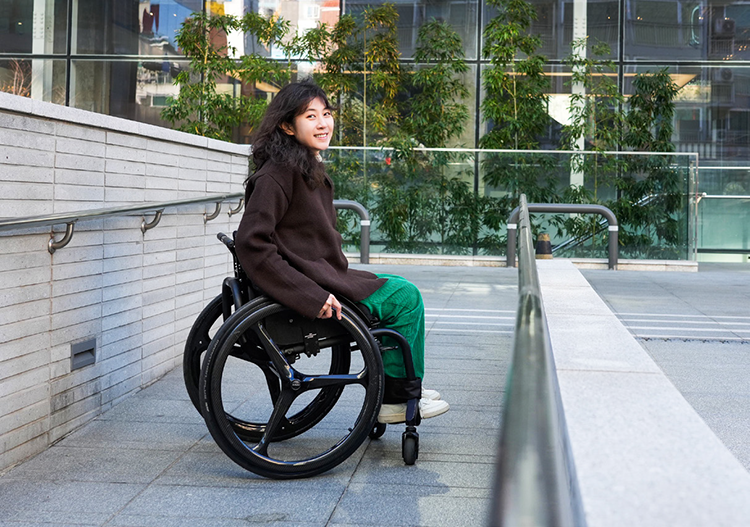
{"type": "Point", "coordinates": [410, 447]}
{"type": "Point", "coordinates": [305, 383]}
{"type": "Point", "coordinates": [204, 328]}
{"type": "Point", "coordinates": [377, 431]}
{"type": "Point", "coordinates": [208, 326]}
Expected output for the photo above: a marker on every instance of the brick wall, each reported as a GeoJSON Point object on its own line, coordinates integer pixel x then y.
{"type": "Point", "coordinates": [136, 294]}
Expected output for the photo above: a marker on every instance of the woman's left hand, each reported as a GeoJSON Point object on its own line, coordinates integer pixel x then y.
{"type": "Point", "coordinates": [331, 305]}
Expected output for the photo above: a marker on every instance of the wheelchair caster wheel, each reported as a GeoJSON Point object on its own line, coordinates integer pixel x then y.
{"type": "Point", "coordinates": [377, 431]}
{"type": "Point", "coordinates": [410, 447]}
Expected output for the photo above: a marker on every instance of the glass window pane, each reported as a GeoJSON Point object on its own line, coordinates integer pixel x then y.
{"type": "Point", "coordinates": [128, 89]}
{"type": "Point", "coordinates": [461, 15]}
{"type": "Point", "coordinates": [18, 33]}
{"type": "Point", "coordinates": [688, 31]}
{"type": "Point", "coordinates": [555, 22]}
{"type": "Point", "coordinates": [711, 114]}
{"type": "Point", "coordinates": [40, 79]}
{"type": "Point", "coordinates": [128, 28]}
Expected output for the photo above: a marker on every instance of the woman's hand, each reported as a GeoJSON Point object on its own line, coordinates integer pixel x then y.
{"type": "Point", "coordinates": [331, 305]}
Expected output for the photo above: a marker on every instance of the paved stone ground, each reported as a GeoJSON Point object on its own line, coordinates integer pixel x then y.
{"type": "Point", "coordinates": [150, 461]}
{"type": "Point", "coordinates": [696, 327]}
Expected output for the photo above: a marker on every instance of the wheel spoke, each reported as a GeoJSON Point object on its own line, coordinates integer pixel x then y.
{"type": "Point", "coordinates": [278, 417]}
{"type": "Point", "coordinates": [274, 353]}
{"type": "Point", "coordinates": [313, 382]}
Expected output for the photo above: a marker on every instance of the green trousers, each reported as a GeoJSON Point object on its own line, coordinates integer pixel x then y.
{"type": "Point", "coordinates": [398, 304]}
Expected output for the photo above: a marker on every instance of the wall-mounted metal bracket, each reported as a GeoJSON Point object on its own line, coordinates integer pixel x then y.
{"type": "Point", "coordinates": [239, 207]}
{"type": "Point", "coordinates": [215, 214]}
{"type": "Point", "coordinates": [53, 245]}
{"type": "Point", "coordinates": [153, 223]}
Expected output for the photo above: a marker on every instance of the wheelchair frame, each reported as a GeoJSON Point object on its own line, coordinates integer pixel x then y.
{"type": "Point", "coordinates": [264, 340]}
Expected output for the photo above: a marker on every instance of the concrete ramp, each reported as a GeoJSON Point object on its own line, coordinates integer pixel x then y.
{"type": "Point", "coordinates": [644, 456]}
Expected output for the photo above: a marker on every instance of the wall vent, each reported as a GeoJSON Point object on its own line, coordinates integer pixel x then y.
{"type": "Point", "coordinates": [82, 353]}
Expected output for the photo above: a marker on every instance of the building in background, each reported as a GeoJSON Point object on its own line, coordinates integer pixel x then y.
{"type": "Point", "coordinates": [119, 57]}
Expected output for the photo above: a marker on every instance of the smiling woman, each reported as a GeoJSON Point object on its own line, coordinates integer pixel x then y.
{"type": "Point", "coordinates": [313, 127]}
{"type": "Point", "coordinates": [288, 244]}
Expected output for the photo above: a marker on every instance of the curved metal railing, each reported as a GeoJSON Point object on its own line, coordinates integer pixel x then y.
{"type": "Point", "coordinates": [565, 207]}
{"type": "Point", "coordinates": [69, 219]}
{"type": "Point", "coordinates": [536, 481]}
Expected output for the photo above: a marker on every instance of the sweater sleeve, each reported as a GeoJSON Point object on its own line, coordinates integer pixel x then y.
{"type": "Point", "coordinates": [259, 255]}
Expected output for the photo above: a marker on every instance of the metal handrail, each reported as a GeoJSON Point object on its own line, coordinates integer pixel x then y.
{"type": "Point", "coordinates": [69, 219]}
{"type": "Point", "coordinates": [564, 207]}
{"type": "Point", "coordinates": [535, 478]}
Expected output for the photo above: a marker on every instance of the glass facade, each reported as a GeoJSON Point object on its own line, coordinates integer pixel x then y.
{"type": "Point", "coordinates": [119, 57]}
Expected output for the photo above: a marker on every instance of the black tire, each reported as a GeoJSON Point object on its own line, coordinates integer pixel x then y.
{"type": "Point", "coordinates": [410, 448]}
{"type": "Point", "coordinates": [233, 386]}
{"type": "Point", "coordinates": [204, 329]}
{"type": "Point", "coordinates": [377, 431]}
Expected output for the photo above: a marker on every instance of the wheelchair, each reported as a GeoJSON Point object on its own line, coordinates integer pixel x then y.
{"type": "Point", "coordinates": [284, 396]}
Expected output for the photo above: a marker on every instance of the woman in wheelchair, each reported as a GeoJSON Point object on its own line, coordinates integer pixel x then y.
{"type": "Point", "coordinates": [288, 244]}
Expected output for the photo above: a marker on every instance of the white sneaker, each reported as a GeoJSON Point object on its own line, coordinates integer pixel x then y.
{"type": "Point", "coordinates": [433, 395]}
{"type": "Point", "coordinates": [396, 413]}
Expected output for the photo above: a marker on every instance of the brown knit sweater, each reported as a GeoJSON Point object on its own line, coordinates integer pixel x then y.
{"type": "Point", "coordinates": [288, 244]}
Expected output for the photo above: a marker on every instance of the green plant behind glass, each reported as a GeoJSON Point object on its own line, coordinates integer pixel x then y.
{"type": "Point", "coordinates": [200, 108]}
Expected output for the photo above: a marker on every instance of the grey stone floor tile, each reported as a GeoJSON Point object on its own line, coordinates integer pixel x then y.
{"type": "Point", "coordinates": [111, 465]}
{"type": "Point", "coordinates": [276, 519]}
{"type": "Point", "coordinates": [443, 441]}
{"type": "Point", "coordinates": [65, 501]}
{"type": "Point", "coordinates": [434, 506]}
{"type": "Point", "coordinates": [388, 469]}
{"type": "Point", "coordinates": [154, 409]}
{"type": "Point", "coordinates": [205, 503]}
{"type": "Point", "coordinates": [137, 435]}
{"type": "Point", "coordinates": [215, 469]}
{"type": "Point", "coordinates": [55, 521]}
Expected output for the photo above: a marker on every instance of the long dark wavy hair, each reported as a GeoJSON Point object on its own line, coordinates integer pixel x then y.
{"type": "Point", "coordinates": [270, 142]}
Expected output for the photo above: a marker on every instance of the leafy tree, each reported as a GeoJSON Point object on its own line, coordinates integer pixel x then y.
{"type": "Point", "coordinates": [515, 106]}
{"type": "Point", "coordinates": [436, 111]}
{"type": "Point", "coordinates": [516, 102]}
{"type": "Point", "coordinates": [596, 124]}
{"type": "Point", "coordinates": [201, 108]}
{"type": "Point", "coordinates": [651, 195]}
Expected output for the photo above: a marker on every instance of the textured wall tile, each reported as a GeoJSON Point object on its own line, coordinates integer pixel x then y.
{"type": "Point", "coordinates": [23, 381]}
{"type": "Point", "coordinates": [78, 162]}
{"type": "Point", "coordinates": [24, 354]}
{"type": "Point", "coordinates": [18, 330]}
{"type": "Point", "coordinates": [120, 333]}
{"type": "Point", "coordinates": [12, 155]}
{"type": "Point", "coordinates": [30, 293]}
{"type": "Point", "coordinates": [22, 174]}
{"type": "Point", "coordinates": [27, 139]}
{"type": "Point", "coordinates": [19, 312]}
{"type": "Point", "coordinates": [25, 425]}
{"type": "Point", "coordinates": [74, 131]}
{"type": "Point", "coordinates": [80, 147]}
{"type": "Point", "coordinates": [74, 333]}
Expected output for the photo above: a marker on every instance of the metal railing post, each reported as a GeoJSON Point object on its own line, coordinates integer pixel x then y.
{"type": "Point", "coordinates": [364, 223]}
{"type": "Point", "coordinates": [613, 246]}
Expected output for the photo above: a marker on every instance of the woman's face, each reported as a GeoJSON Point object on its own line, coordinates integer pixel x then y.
{"type": "Point", "coordinates": [313, 127]}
